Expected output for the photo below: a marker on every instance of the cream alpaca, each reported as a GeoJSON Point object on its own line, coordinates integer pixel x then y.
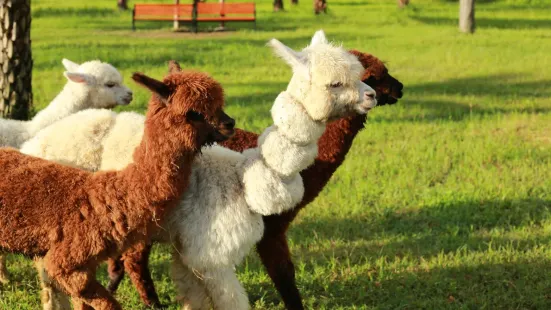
{"type": "Point", "coordinates": [219, 218]}
{"type": "Point", "coordinates": [91, 85]}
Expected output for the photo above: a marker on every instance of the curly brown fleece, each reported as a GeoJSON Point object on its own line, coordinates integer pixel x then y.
{"type": "Point", "coordinates": [76, 219]}
{"type": "Point", "coordinates": [273, 249]}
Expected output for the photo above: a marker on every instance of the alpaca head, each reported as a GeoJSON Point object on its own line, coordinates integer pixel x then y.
{"type": "Point", "coordinates": [326, 79]}
{"type": "Point", "coordinates": [100, 81]}
{"type": "Point", "coordinates": [376, 75]}
{"type": "Point", "coordinates": [187, 99]}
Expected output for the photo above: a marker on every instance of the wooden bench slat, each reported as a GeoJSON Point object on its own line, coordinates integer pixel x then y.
{"type": "Point", "coordinates": [225, 19]}
{"type": "Point", "coordinates": [206, 12]}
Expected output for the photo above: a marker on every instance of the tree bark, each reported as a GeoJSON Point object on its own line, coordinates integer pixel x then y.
{"type": "Point", "coordinates": [278, 5]}
{"type": "Point", "coordinates": [402, 3]}
{"type": "Point", "coordinates": [466, 16]}
{"type": "Point", "coordinates": [122, 4]}
{"type": "Point", "coordinates": [15, 59]}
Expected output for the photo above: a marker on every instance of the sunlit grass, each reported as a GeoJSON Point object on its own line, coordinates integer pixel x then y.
{"type": "Point", "coordinates": [444, 200]}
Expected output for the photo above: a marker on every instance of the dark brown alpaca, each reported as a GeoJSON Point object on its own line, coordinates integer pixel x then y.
{"type": "Point", "coordinates": [76, 219]}
{"type": "Point", "coordinates": [273, 248]}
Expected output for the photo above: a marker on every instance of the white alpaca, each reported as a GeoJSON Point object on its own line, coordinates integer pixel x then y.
{"type": "Point", "coordinates": [219, 218]}
{"type": "Point", "coordinates": [91, 85]}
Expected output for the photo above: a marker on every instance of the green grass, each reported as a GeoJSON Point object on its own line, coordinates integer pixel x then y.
{"type": "Point", "coordinates": [444, 202]}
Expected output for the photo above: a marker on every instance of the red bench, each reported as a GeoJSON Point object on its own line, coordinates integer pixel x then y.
{"type": "Point", "coordinates": [195, 13]}
{"type": "Point", "coordinates": [162, 12]}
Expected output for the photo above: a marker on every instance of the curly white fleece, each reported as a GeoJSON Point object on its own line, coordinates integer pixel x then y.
{"type": "Point", "coordinates": [75, 96]}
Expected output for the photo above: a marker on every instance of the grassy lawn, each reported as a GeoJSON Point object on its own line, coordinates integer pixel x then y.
{"type": "Point", "coordinates": [445, 199]}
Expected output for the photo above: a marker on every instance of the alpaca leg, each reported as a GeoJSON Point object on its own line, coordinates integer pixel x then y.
{"type": "Point", "coordinates": [80, 284]}
{"type": "Point", "coordinates": [190, 288]}
{"type": "Point", "coordinates": [225, 290]}
{"type": "Point", "coordinates": [84, 288]}
{"type": "Point", "coordinates": [276, 257]}
{"type": "Point", "coordinates": [52, 298]}
{"type": "Point", "coordinates": [115, 269]}
{"type": "Point", "coordinates": [136, 263]}
{"type": "Point", "coordinates": [4, 276]}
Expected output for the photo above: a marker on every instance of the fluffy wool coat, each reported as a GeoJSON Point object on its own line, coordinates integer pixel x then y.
{"type": "Point", "coordinates": [273, 248]}
{"type": "Point", "coordinates": [76, 219]}
{"type": "Point", "coordinates": [93, 84]}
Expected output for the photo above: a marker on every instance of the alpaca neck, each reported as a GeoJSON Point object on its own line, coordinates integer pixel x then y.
{"type": "Point", "coordinates": [69, 101]}
{"type": "Point", "coordinates": [333, 146]}
{"type": "Point", "coordinates": [162, 162]}
{"type": "Point", "coordinates": [289, 146]}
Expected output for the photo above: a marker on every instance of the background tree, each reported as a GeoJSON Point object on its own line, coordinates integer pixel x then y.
{"type": "Point", "coordinates": [122, 4]}
{"type": "Point", "coordinates": [466, 16]}
{"type": "Point", "coordinates": [278, 5]}
{"type": "Point", "coordinates": [15, 59]}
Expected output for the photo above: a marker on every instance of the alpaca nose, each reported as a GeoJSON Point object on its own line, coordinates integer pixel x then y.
{"type": "Point", "coordinates": [229, 124]}
{"type": "Point", "coordinates": [369, 95]}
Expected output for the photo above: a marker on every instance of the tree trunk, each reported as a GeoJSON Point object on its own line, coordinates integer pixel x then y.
{"type": "Point", "coordinates": [15, 59]}
{"type": "Point", "coordinates": [466, 16]}
{"type": "Point", "coordinates": [278, 5]}
{"type": "Point", "coordinates": [402, 3]}
{"type": "Point", "coordinates": [122, 4]}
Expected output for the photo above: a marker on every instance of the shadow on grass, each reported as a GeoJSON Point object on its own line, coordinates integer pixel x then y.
{"type": "Point", "coordinates": [74, 12]}
{"type": "Point", "coordinates": [484, 22]}
{"type": "Point", "coordinates": [434, 229]}
{"type": "Point", "coordinates": [508, 285]}
{"type": "Point", "coordinates": [500, 86]}
{"type": "Point", "coordinates": [424, 234]}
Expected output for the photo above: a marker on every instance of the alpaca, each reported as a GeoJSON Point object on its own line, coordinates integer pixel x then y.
{"type": "Point", "coordinates": [93, 84]}
{"type": "Point", "coordinates": [220, 217]}
{"type": "Point", "coordinates": [273, 249]}
{"type": "Point", "coordinates": [75, 219]}
{"type": "Point", "coordinates": [335, 143]}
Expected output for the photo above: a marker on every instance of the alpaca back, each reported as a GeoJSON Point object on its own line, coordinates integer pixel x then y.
{"type": "Point", "coordinates": [213, 222]}
{"type": "Point", "coordinates": [33, 213]}
{"type": "Point", "coordinates": [76, 140]}
{"type": "Point", "coordinates": [13, 132]}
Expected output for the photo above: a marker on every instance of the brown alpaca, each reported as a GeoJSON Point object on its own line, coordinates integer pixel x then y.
{"type": "Point", "coordinates": [76, 219]}
{"type": "Point", "coordinates": [273, 248]}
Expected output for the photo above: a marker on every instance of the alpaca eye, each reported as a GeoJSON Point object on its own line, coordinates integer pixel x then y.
{"type": "Point", "coordinates": [335, 84]}
{"type": "Point", "coordinates": [195, 116]}
{"type": "Point", "coordinates": [110, 85]}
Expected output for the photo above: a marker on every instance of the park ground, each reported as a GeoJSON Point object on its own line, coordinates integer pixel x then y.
{"type": "Point", "coordinates": [444, 202]}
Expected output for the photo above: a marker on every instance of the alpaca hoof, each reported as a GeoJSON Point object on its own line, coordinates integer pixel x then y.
{"type": "Point", "coordinates": [158, 307]}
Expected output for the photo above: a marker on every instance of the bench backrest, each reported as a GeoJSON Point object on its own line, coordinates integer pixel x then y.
{"type": "Point", "coordinates": [162, 11]}
{"type": "Point", "coordinates": [225, 9]}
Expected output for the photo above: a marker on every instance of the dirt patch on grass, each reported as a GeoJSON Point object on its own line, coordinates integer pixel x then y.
{"type": "Point", "coordinates": [170, 34]}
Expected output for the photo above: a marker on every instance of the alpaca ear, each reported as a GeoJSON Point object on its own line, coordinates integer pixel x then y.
{"type": "Point", "coordinates": [155, 86]}
{"type": "Point", "coordinates": [290, 56]}
{"type": "Point", "coordinates": [319, 38]}
{"type": "Point", "coordinates": [174, 66]}
{"type": "Point", "coordinates": [69, 65]}
{"type": "Point", "coordinates": [80, 78]}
